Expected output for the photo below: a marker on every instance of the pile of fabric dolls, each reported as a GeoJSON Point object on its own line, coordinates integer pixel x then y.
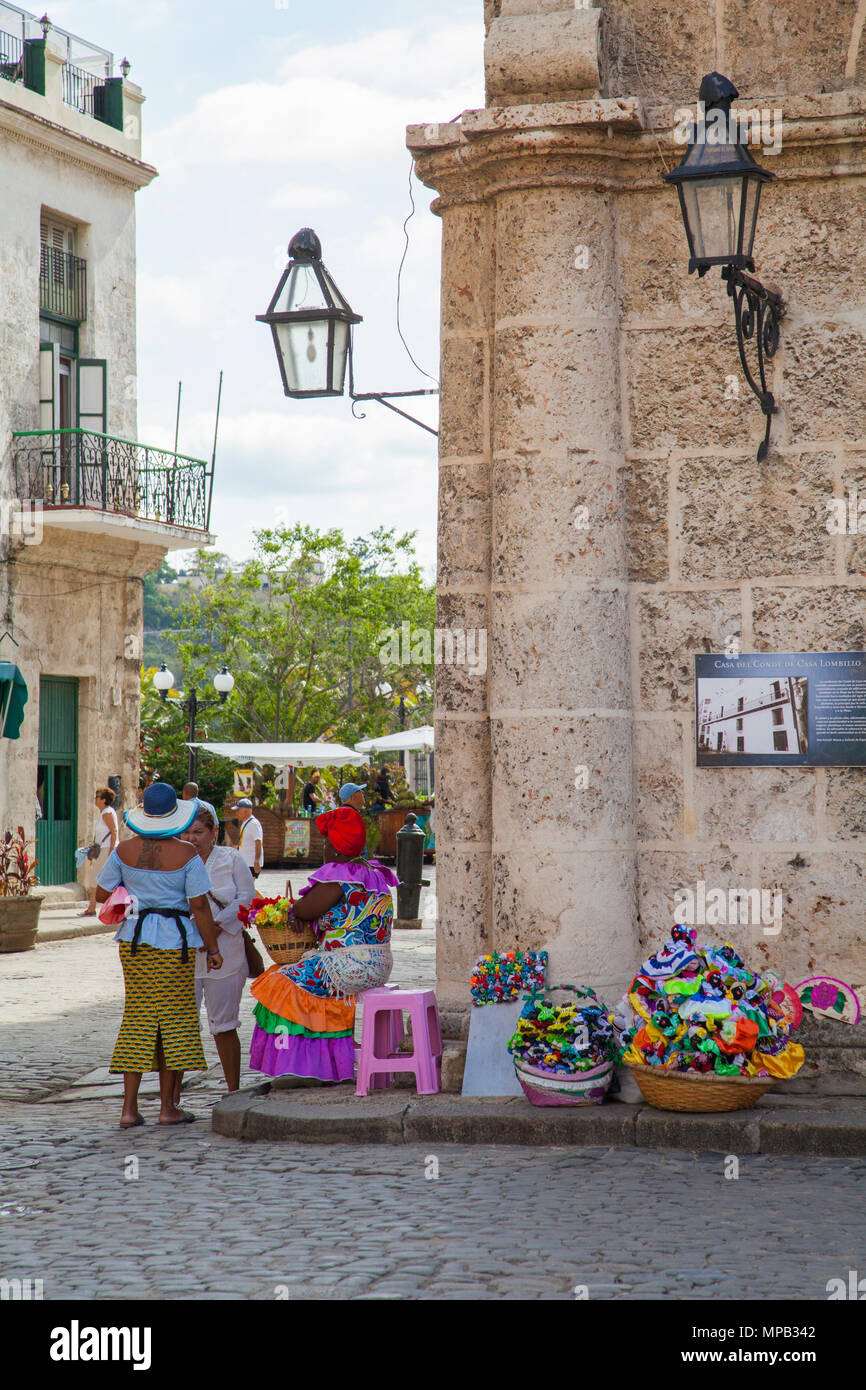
{"type": "Point", "coordinates": [565, 1038]}
{"type": "Point", "coordinates": [699, 1009]}
{"type": "Point", "coordinates": [499, 978]}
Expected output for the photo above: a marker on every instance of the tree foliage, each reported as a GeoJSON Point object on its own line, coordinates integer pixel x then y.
{"type": "Point", "coordinates": [301, 627]}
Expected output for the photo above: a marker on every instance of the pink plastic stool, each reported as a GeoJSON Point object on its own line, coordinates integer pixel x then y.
{"type": "Point", "coordinates": [380, 1006]}
{"type": "Point", "coordinates": [388, 1036]}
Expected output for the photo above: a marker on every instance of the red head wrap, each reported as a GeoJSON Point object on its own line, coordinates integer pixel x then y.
{"type": "Point", "coordinates": [345, 829]}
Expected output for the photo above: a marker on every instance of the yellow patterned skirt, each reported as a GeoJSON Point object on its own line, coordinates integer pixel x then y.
{"type": "Point", "coordinates": [160, 1000]}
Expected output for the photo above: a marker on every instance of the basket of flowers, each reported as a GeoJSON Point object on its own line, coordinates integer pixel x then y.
{"type": "Point", "coordinates": [564, 1054]}
{"type": "Point", "coordinates": [284, 938]}
{"type": "Point", "coordinates": [708, 1033]}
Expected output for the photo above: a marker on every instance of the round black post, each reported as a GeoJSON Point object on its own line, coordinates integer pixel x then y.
{"type": "Point", "coordinates": [410, 865]}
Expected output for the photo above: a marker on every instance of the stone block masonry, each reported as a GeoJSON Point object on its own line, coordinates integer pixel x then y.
{"type": "Point", "coordinates": [600, 504]}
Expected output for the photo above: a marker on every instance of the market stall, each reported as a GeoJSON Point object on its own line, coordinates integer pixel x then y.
{"type": "Point", "coordinates": [419, 740]}
{"type": "Point", "coordinates": [288, 836]}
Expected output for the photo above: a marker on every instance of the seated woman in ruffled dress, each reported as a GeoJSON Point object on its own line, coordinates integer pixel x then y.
{"type": "Point", "coordinates": [305, 1013]}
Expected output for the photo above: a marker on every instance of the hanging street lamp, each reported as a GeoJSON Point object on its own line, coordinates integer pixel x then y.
{"type": "Point", "coordinates": [719, 186]}
{"type": "Point", "coordinates": [311, 322]}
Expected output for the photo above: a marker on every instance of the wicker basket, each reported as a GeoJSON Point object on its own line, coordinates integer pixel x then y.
{"type": "Point", "coordinates": [561, 1088]}
{"type": "Point", "coordinates": [286, 947]}
{"type": "Point", "coordinates": [684, 1091]}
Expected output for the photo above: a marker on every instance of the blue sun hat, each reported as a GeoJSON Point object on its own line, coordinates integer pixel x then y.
{"type": "Point", "coordinates": [161, 814]}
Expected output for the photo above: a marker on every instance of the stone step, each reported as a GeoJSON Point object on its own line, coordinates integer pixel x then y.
{"type": "Point", "coordinates": [59, 894]}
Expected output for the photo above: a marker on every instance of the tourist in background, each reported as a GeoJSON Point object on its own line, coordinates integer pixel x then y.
{"type": "Point", "coordinates": [251, 843]}
{"type": "Point", "coordinates": [106, 833]}
{"type": "Point", "coordinates": [311, 798]}
{"type": "Point", "coordinates": [190, 793]}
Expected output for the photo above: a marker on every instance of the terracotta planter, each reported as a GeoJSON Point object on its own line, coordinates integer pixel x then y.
{"type": "Point", "coordinates": [19, 923]}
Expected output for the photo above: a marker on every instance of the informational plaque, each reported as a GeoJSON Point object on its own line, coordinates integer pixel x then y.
{"type": "Point", "coordinates": [297, 839]}
{"type": "Point", "coordinates": [789, 709]}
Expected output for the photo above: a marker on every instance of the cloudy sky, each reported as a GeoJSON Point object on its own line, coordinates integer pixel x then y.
{"type": "Point", "coordinates": [264, 117]}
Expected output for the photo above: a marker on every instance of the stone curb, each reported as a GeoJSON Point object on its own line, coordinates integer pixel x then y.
{"type": "Point", "coordinates": [829, 1128]}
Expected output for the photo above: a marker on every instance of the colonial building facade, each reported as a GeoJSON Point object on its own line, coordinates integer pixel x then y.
{"type": "Point", "coordinates": [601, 510]}
{"type": "Point", "coordinates": [86, 509]}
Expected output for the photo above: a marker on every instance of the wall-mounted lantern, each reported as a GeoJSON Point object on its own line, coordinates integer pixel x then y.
{"type": "Point", "coordinates": [719, 186]}
{"type": "Point", "coordinates": [311, 322]}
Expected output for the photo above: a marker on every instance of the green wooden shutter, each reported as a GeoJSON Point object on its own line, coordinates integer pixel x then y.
{"type": "Point", "coordinates": [92, 395]}
{"type": "Point", "coordinates": [49, 390]}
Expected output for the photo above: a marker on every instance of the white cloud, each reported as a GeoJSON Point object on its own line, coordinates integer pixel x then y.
{"type": "Point", "coordinates": [330, 106]}
{"type": "Point", "coordinates": [309, 196]}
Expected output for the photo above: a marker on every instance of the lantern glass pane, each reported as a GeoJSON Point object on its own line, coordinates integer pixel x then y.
{"type": "Point", "coordinates": [301, 291]}
{"type": "Point", "coordinates": [713, 207]}
{"type": "Point", "coordinates": [751, 198]}
{"type": "Point", "coordinates": [304, 350]}
{"type": "Point", "coordinates": [341, 348]}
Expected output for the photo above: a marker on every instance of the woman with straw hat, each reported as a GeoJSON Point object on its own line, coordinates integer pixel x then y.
{"type": "Point", "coordinates": [169, 919]}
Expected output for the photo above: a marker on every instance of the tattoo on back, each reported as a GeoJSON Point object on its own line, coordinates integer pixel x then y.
{"type": "Point", "coordinates": [150, 855]}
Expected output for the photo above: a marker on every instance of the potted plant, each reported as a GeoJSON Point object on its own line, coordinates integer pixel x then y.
{"type": "Point", "coordinates": [19, 909]}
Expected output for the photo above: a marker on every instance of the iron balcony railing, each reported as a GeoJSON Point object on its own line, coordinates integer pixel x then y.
{"type": "Point", "coordinates": [62, 284]}
{"type": "Point", "coordinates": [78, 87]}
{"type": "Point", "coordinates": [77, 468]}
{"type": "Point", "coordinates": [11, 57]}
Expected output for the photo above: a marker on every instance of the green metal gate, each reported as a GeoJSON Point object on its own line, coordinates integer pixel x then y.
{"type": "Point", "coordinates": [57, 779]}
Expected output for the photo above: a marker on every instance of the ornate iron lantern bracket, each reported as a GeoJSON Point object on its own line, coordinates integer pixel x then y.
{"type": "Point", "coordinates": [757, 313]}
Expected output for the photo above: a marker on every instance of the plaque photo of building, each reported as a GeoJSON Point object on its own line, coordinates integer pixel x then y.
{"type": "Point", "coordinates": [752, 716]}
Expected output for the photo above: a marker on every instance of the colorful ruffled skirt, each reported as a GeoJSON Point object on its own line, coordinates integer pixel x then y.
{"type": "Point", "coordinates": [301, 1034]}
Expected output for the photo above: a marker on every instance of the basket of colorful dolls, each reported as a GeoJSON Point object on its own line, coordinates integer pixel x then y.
{"type": "Point", "coordinates": [564, 1054]}
{"type": "Point", "coordinates": [285, 939]}
{"type": "Point", "coordinates": [707, 1034]}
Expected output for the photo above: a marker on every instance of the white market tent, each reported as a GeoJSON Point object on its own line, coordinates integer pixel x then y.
{"type": "Point", "coordinates": [407, 741]}
{"type": "Point", "coordinates": [283, 754]}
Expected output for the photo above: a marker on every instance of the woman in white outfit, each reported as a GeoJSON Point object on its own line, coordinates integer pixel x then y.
{"type": "Point", "coordinates": [106, 833]}
{"type": "Point", "coordinates": [231, 887]}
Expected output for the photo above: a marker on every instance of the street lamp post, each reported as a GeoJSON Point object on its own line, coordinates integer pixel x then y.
{"type": "Point", "coordinates": [311, 322]}
{"type": "Point", "coordinates": [223, 683]}
{"type": "Point", "coordinates": [719, 186]}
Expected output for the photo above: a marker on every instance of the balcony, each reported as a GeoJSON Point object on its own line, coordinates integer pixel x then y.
{"type": "Point", "coordinates": [11, 57]}
{"type": "Point", "coordinates": [79, 477]}
{"type": "Point", "coordinates": [62, 284]}
{"type": "Point", "coordinates": [31, 49]}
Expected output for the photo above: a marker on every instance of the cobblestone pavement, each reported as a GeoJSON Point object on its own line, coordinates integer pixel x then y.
{"type": "Point", "coordinates": [99, 1213]}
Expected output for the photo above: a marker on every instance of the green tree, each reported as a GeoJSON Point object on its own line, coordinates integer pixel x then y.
{"type": "Point", "coordinates": [160, 607]}
{"type": "Point", "coordinates": [301, 625]}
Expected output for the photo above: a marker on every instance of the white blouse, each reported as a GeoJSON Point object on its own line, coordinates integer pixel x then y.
{"type": "Point", "coordinates": [102, 832]}
{"type": "Point", "coordinates": [232, 885]}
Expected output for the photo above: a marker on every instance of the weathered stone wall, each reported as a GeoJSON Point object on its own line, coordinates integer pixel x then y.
{"type": "Point", "coordinates": [583, 367]}
{"type": "Point", "coordinates": [75, 599]}
{"type": "Point", "coordinates": [71, 600]}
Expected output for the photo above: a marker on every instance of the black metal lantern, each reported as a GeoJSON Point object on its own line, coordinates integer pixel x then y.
{"type": "Point", "coordinates": [311, 323]}
{"type": "Point", "coordinates": [719, 186]}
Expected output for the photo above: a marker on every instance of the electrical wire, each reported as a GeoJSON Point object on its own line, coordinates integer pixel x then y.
{"type": "Point", "coordinates": [400, 274]}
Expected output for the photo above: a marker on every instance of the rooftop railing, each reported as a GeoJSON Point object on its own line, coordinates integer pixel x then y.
{"type": "Point", "coordinates": [79, 468]}
{"type": "Point", "coordinates": [11, 57]}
